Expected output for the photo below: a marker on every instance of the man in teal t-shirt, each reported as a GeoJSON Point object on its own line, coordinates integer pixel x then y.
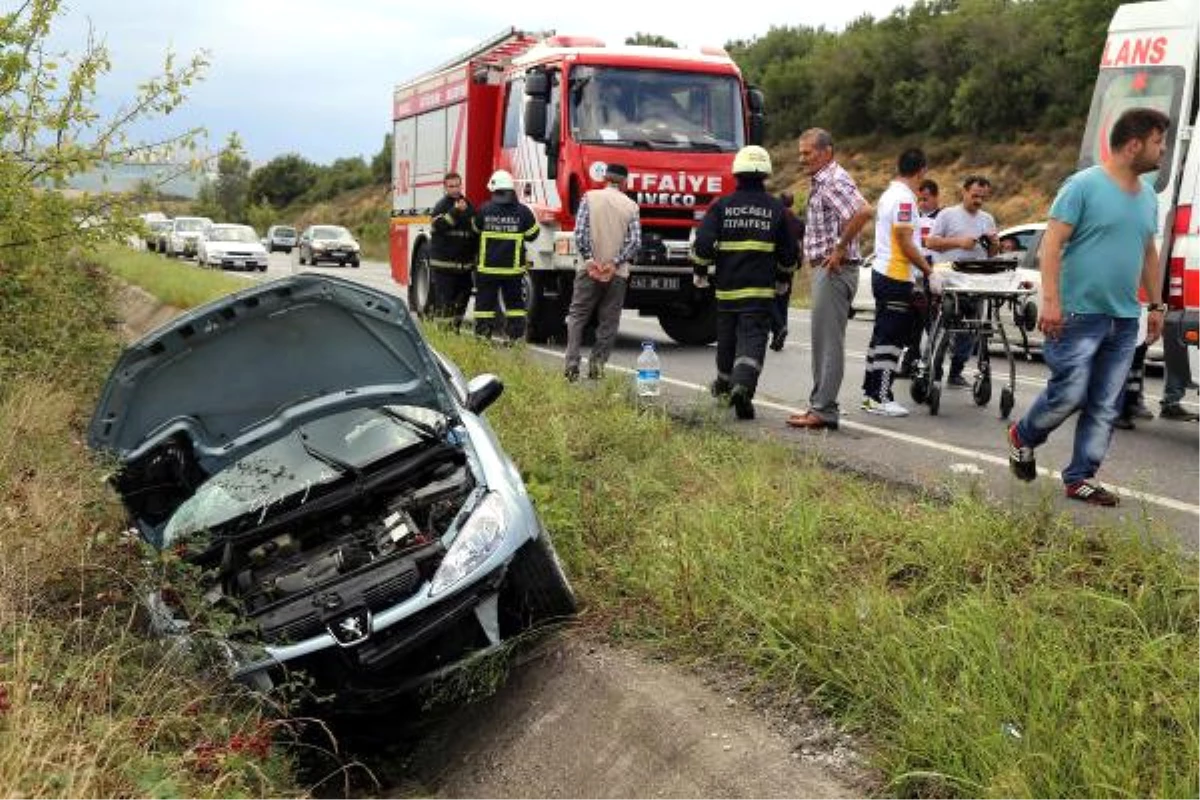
{"type": "Point", "coordinates": [1097, 249]}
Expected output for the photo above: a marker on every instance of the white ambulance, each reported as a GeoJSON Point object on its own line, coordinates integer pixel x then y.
{"type": "Point", "coordinates": [1150, 60]}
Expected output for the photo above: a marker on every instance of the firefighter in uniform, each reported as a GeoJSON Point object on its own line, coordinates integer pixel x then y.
{"type": "Point", "coordinates": [504, 226]}
{"type": "Point", "coordinates": [745, 236]}
{"type": "Point", "coordinates": [454, 246]}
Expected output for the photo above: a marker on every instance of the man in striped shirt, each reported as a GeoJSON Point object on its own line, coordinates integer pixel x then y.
{"type": "Point", "coordinates": [835, 215]}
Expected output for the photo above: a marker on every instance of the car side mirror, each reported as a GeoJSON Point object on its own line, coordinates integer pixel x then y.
{"type": "Point", "coordinates": [482, 391]}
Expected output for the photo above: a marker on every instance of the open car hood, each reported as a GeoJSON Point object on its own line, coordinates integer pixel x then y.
{"type": "Point", "coordinates": [251, 366]}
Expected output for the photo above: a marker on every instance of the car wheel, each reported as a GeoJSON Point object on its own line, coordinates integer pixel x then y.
{"type": "Point", "coordinates": [262, 268]}
{"type": "Point", "coordinates": [354, 263]}
{"type": "Point", "coordinates": [536, 589]}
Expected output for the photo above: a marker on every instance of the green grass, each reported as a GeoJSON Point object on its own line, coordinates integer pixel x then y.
{"type": "Point", "coordinates": [982, 653]}
{"type": "Point", "coordinates": [978, 651]}
{"type": "Point", "coordinates": [178, 283]}
{"type": "Point", "coordinates": [89, 705]}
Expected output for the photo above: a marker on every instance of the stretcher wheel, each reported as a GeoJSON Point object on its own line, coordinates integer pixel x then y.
{"type": "Point", "coordinates": [919, 389]}
{"type": "Point", "coordinates": [935, 399]}
{"type": "Point", "coordinates": [982, 390]}
{"type": "Point", "coordinates": [1006, 402]}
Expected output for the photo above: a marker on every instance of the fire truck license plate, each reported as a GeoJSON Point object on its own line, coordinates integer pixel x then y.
{"type": "Point", "coordinates": [653, 282]}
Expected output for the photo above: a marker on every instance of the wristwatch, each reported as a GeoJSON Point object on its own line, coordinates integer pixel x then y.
{"type": "Point", "coordinates": [1152, 307]}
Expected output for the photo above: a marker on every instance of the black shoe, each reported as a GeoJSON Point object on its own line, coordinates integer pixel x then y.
{"type": "Point", "coordinates": [1124, 423]}
{"type": "Point", "coordinates": [1139, 412]}
{"type": "Point", "coordinates": [778, 338]}
{"type": "Point", "coordinates": [1020, 458]}
{"type": "Point", "coordinates": [571, 374]}
{"type": "Point", "coordinates": [720, 388]}
{"type": "Point", "coordinates": [739, 398]}
{"type": "Point", "coordinates": [1092, 493]}
{"type": "Point", "coordinates": [1178, 413]}
{"type": "Point", "coordinates": [957, 381]}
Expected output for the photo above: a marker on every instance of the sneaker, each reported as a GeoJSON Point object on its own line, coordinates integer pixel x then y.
{"type": "Point", "coordinates": [739, 398]}
{"type": "Point", "coordinates": [595, 370]}
{"type": "Point", "coordinates": [1020, 458]}
{"type": "Point", "coordinates": [1092, 493]}
{"type": "Point", "coordinates": [887, 409]}
{"type": "Point", "coordinates": [571, 374]}
{"type": "Point", "coordinates": [1179, 413]}
{"type": "Point", "coordinates": [778, 338]}
{"type": "Point", "coordinates": [957, 381]}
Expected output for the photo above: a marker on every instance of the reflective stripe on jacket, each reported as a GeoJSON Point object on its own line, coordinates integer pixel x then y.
{"type": "Point", "coordinates": [745, 236]}
{"type": "Point", "coordinates": [504, 226]}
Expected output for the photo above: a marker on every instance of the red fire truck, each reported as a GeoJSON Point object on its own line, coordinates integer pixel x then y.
{"type": "Point", "coordinates": [1151, 58]}
{"type": "Point", "coordinates": [554, 111]}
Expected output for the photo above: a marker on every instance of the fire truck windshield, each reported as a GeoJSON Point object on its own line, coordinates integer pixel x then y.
{"type": "Point", "coordinates": [658, 109]}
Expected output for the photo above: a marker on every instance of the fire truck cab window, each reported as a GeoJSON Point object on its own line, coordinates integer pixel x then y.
{"type": "Point", "coordinates": [512, 112]}
{"type": "Point", "coordinates": [660, 109]}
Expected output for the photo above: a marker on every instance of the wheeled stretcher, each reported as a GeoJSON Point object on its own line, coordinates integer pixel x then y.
{"type": "Point", "coordinates": [969, 298]}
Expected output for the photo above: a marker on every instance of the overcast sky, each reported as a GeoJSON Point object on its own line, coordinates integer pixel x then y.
{"type": "Point", "coordinates": [315, 77]}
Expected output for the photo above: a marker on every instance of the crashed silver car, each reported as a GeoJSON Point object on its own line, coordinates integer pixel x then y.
{"type": "Point", "coordinates": [331, 477]}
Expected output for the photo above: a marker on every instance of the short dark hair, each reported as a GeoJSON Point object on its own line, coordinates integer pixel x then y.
{"type": "Point", "coordinates": [450, 175]}
{"type": "Point", "coordinates": [911, 162]}
{"type": "Point", "coordinates": [976, 180]}
{"type": "Point", "coordinates": [929, 185]}
{"type": "Point", "coordinates": [1137, 123]}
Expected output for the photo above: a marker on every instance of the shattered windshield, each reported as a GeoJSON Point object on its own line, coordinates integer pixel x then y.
{"type": "Point", "coordinates": [316, 454]}
{"type": "Point", "coordinates": [656, 109]}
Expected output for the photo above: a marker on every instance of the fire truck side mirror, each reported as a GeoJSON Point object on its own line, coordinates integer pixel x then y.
{"type": "Point", "coordinates": [757, 118]}
{"type": "Point", "coordinates": [535, 119]}
{"type": "Point", "coordinates": [537, 84]}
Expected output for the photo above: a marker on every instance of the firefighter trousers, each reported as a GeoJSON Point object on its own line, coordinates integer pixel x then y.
{"type": "Point", "coordinates": [451, 292]}
{"type": "Point", "coordinates": [893, 327]}
{"type": "Point", "coordinates": [741, 346]}
{"type": "Point", "coordinates": [489, 289]}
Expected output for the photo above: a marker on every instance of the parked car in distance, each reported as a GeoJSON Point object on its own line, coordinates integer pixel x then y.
{"type": "Point", "coordinates": [280, 237]}
{"type": "Point", "coordinates": [156, 235]}
{"type": "Point", "coordinates": [339, 492]}
{"type": "Point", "coordinates": [185, 235]}
{"type": "Point", "coordinates": [226, 246]}
{"type": "Point", "coordinates": [328, 243]}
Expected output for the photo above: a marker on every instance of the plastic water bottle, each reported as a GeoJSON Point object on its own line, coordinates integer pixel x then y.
{"type": "Point", "coordinates": [649, 372]}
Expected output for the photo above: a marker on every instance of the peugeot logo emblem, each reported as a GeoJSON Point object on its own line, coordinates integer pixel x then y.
{"type": "Point", "coordinates": [352, 629]}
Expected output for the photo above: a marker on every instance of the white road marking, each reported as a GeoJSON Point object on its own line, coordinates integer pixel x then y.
{"type": "Point", "coordinates": [961, 452]}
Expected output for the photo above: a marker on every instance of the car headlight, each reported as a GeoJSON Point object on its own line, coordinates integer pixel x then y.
{"type": "Point", "coordinates": [478, 539]}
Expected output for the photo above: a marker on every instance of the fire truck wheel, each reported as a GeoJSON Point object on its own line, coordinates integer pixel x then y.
{"type": "Point", "coordinates": [699, 329]}
{"type": "Point", "coordinates": [420, 282]}
{"type": "Point", "coordinates": [546, 320]}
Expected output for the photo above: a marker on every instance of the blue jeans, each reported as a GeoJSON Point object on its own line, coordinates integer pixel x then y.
{"type": "Point", "coordinates": [1088, 364]}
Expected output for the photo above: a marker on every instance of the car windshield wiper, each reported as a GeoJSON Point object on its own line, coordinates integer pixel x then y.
{"type": "Point", "coordinates": [345, 467]}
{"type": "Point", "coordinates": [423, 428]}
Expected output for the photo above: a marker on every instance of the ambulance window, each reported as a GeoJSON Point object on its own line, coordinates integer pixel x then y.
{"type": "Point", "coordinates": [1117, 91]}
{"type": "Point", "coordinates": [512, 112]}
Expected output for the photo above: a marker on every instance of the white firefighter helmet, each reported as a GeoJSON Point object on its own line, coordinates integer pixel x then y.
{"type": "Point", "coordinates": [501, 179]}
{"type": "Point", "coordinates": [752, 159]}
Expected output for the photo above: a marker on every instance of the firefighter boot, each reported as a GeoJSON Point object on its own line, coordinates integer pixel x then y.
{"type": "Point", "coordinates": [739, 398]}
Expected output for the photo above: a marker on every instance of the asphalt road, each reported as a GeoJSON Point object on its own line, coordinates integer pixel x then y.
{"type": "Point", "coordinates": [1156, 468]}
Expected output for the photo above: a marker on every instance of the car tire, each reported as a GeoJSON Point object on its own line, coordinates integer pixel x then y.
{"type": "Point", "coordinates": [536, 588]}
{"type": "Point", "coordinates": [354, 263]}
